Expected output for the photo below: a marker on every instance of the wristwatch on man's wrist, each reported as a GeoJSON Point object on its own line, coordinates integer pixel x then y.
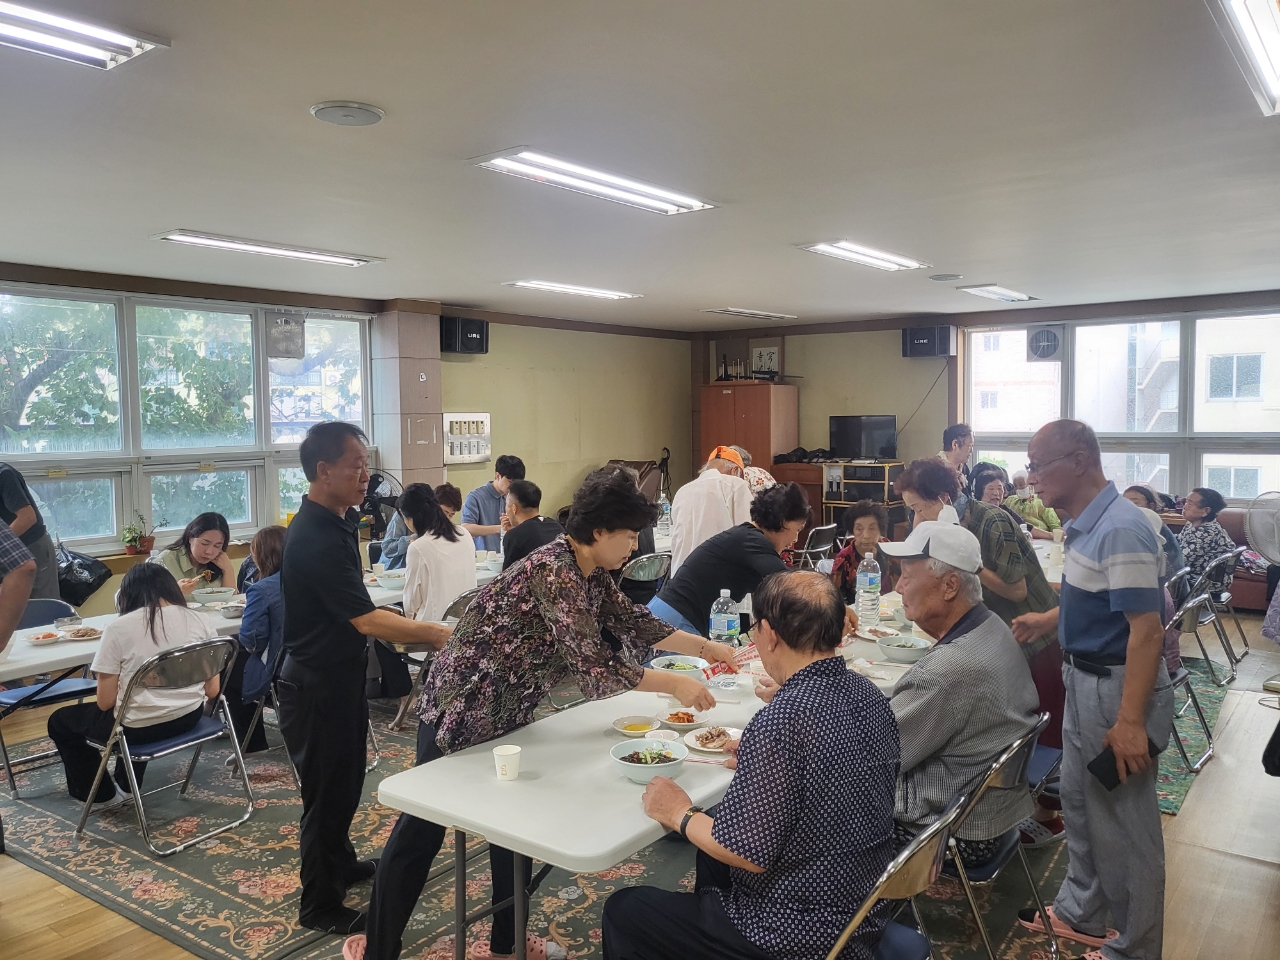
{"type": "Point", "coordinates": [684, 822]}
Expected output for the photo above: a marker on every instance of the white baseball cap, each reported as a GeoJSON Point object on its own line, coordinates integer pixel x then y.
{"type": "Point", "coordinates": [936, 539]}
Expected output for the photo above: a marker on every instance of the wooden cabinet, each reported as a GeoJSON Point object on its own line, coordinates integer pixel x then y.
{"type": "Point", "coordinates": [762, 418]}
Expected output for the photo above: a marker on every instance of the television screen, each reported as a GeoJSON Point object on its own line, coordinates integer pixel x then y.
{"type": "Point", "coordinates": [864, 438]}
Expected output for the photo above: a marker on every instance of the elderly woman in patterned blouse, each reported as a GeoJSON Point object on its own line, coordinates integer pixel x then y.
{"type": "Point", "coordinates": [804, 830]}
{"type": "Point", "coordinates": [537, 624]}
{"type": "Point", "coordinates": [1203, 538]}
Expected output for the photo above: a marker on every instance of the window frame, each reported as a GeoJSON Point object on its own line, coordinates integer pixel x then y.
{"type": "Point", "coordinates": [1185, 446]}
{"type": "Point", "coordinates": [1235, 378]}
{"type": "Point", "coordinates": [132, 465]}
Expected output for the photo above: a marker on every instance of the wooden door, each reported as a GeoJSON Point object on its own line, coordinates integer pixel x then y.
{"type": "Point", "coordinates": [753, 414]}
{"type": "Point", "coordinates": [718, 419]}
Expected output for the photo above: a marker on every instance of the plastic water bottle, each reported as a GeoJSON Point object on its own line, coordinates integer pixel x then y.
{"type": "Point", "coordinates": [868, 592]}
{"type": "Point", "coordinates": [726, 624]}
{"type": "Point", "coordinates": [664, 520]}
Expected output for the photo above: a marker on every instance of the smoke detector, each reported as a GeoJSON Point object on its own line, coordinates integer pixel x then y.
{"type": "Point", "coordinates": [347, 113]}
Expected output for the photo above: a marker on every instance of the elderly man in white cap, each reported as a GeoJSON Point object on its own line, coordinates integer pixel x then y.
{"type": "Point", "coordinates": [965, 701]}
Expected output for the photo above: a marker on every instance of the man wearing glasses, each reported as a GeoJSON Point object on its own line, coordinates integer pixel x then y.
{"type": "Point", "coordinates": [1118, 699]}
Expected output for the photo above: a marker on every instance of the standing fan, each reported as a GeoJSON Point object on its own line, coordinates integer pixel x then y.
{"type": "Point", "coordinates": [380, 502]}
{"type": "Point", "coordinates": [1262, 530]}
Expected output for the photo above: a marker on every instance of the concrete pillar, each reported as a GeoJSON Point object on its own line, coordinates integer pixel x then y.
{"type": "Point", "coordinates": [408, 422]}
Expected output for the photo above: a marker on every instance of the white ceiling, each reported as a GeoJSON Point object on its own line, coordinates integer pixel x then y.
{"type": "Point", "coordinates": [1078, 150]}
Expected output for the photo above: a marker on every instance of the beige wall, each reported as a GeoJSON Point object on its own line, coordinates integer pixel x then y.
{"type": "Point", "coordinates": [566, 402]}
{"type": "Point", "coordinates": [866, 374]}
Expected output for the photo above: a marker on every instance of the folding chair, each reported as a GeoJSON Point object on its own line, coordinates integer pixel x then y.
{"type": "Point", "coordinates": [185, 666]}
{"type": "Point", "coordinates": [1008, 771]}
{"type": "Point", "coordinates": [908, 875]}
{"type": "Point", "coordinates": [1196, 611]}
{"type": "Point", "coordinates": [40, 613]}
{"type": "Point", "coordinates": [1182, 679]}
{"type": "Point", "coordinates": [1222, 600]}
{"type": "Point", "coordinates": [1221, 569]}
{"type": "Point", "coordinates": [648, 568]}
{"type": "Point", "coordinates": [817, 546]}
{"type": "Point", "coordinates": [457, 607]}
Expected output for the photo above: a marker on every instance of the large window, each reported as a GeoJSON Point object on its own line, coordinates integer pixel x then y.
{"type": "Point", "coordinates": [59, 376]}
{"type": "Point", "coordinates": [1008, 393]}
{"type": "Point", "coordinates": [115, 407]}
{"type": "Point", "coordinates": [1176, 402]}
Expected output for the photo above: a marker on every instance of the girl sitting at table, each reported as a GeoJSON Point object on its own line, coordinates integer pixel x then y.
{"type": "Point", "coordinates": [199, 558]}
{"type": "Point", "coordinates": [532, 628]}
{"type": "Point", "coordinates": [441, 559]}
{"type": "Point", "coordinates": [153, 617]}
{"type": "Point", "coordinates": [261, 638]}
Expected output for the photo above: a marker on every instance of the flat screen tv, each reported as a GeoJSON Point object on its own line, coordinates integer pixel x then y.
{"type": "Point", "coordinates": [864, 438]}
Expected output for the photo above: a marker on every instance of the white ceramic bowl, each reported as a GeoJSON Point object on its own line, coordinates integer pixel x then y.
{"type": "Point", "coordinates": [699, 718]}
{"type": "Point", "coordinates": [691, 665]}
{"type": "Point", "coordinates": [494, 566]}
{"type": "Point", "coordinates": [650, 724]}
{"type": "Point", "coordinates": [644, 772]}
{"type": "Point", "coordinates": [233, 611]}
{"type": "Point", "coordinates": [668, 735]}
{"type": "Point", "coordinates": [213, 594]}
{"type": "Point", "coordinates": [394, 580]}
{"type": "Point", "coordinates": [904, 654]}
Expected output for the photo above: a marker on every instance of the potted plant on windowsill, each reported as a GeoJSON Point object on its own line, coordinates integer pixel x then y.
{"type": "Point", "coordinates": [138, 537]}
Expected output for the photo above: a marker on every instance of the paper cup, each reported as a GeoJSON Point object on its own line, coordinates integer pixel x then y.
{"type": "Point", "coordinates": [481, 556]}
{"type": "Point", "coordinates": [506, 760]}
{"type": "Point", "coordinates": [1058, 534]}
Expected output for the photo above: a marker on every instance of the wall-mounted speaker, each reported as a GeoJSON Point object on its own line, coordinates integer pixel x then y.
{"type": "Point", "coordinates": [937, 341]}
{"type": "Point", "coordinates": [464, 335]}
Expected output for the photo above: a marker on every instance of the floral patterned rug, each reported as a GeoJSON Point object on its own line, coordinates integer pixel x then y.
{"type": "Point", "coordinates": [1175, 779]}
{"type": "Point", "coordinates": [236, 894]}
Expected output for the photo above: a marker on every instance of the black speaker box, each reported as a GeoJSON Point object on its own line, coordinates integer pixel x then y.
{"type": "Point", "coordinates": [929, 341]}
{"type": "Point", "coordinates": [464, 335]}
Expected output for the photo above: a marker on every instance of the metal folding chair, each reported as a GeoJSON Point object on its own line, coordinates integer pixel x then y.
{"type": "Point", "coordinates": [1196, 611]}
{"type": "Point", "coordinates": [185, 666]}
{"type": "Point", "coordinates": [817, 546]}
{"type": "Point", "coordinates": [1222, 601]}
{"type": "Point", "coordinates": [1008, 771]}
{"type": "Point", "coordinates": [1220, 570]}
{"type": "Point", "coordinates": [457, 607]}
{"type": "Point", "coordinates": [648, 568]}
{"type": "Point", "coordinates": [62, 689]}
{"type": "Point", "coordinates": [909, 874]}
{"type": "Point", "coordinates": [1182, 679]}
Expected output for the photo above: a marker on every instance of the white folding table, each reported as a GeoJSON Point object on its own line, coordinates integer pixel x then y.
{"type": "Point", "coordinates": [571, 806]}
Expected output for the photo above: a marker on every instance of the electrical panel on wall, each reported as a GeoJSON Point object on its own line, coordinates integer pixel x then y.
{"type": "Point", "coordinates": [467, 438]}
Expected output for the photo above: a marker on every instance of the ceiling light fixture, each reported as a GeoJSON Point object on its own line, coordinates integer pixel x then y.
{"type": "Point", "coordinates": [347, 113]}
{"type": "Point", "coordinates": [867, 256]}
{"type": "Point", "coordinates": [546, 286]}
{"type": "Point", "coordinates": [754, 314]}
{"type": "Point", "coordinates": [266, 249]}
{"type": "Point", "coordinates": [531, 165]}
{"type": "Point", "coordinates": [993, 291]}
{"type": "Point", "coordinates": [50, 35]}
{"type": "Point", "coordinates": [1252, 31]}
{"type": "Point", "coordinates": [946, 277]}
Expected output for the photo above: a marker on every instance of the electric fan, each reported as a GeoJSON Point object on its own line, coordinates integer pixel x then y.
{"type": "Point", "coordinates": [380, 502]}
{"type": "Point", "coordinates": [1262, 530]}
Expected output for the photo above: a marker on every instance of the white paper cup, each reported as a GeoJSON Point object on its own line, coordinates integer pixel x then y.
{"type": "Point", "coordinates": [506, 760]}
{"type": "Point", "coordinates": [1058, 534]}
{"type": "Point", "coordinates": [481, 556]}
{"type": "Point", "coordinates": [379, 568]}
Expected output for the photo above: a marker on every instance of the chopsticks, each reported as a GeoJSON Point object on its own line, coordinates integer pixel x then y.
{"type": "Point", "coordinates": [718, 763]}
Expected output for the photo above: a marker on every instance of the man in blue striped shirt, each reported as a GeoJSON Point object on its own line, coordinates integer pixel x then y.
{"type": "Point", "coordinates": [1118, 697]}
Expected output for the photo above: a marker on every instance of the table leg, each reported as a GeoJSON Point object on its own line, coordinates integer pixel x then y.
{"type": "Point", "coordinates": [459, 895]}
{"type": "Point", "coordinates": [521, 905]}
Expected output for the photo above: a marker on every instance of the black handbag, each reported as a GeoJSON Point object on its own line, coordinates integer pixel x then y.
{"type": "Point", "coordinates": [79, 575]}
{"type": "Point", "coordinates": [1271, 755]}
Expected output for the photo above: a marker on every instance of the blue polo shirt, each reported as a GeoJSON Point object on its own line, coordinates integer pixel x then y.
{"type": "Point", "coordinates": [484, 506]}
{"type": "Point", "coordinates": [1110, 569]}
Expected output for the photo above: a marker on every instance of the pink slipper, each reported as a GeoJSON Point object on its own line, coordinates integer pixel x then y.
{"type": "Point", "coordinates": [536, 948]}
{"type": "Point", "coordinates": [1031, 920]}
{"type": "Point", "coordinates": [353, 947]}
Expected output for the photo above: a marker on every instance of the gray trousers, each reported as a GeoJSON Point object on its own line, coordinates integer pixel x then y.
{"type": "Point", "coordinates": [1114, 840]}
{"type": "Point", "coordinates": [46, 585]}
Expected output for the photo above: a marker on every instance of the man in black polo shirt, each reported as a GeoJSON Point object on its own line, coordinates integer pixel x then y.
{"type": "Point", "coordinates": [524, 531]}
{"type": "Point", "coordinates": [324, 716]}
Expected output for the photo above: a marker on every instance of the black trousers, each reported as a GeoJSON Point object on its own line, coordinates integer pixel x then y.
{"type": "Point", "coordinates": [324, 719]}
{"type": "Point", "coordinates": [645, 923]}
{"type": "Point", "coordinates": [402, 873]}
{"type": "Point", "coordinates": [241, 712]}
{"type": "Point", "coordinates": [69, 728]}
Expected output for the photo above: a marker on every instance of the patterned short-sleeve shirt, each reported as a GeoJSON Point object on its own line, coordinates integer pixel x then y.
{"type": "Point", "coordinates": [535, 625]}
{"type": "Point", "coordinates": [812, 803]}
{"type": "Point", "coordinates": [1201, 546]}
{"type": "Point", "coordinates": [13, 552]}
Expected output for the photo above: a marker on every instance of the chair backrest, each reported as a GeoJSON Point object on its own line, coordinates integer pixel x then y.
{"type": "Point", "coordinates": [458, 606]}
{"type": "Point", "coordinates": [1009, 769]}
{"type": "Point", "coordinates": [911, 872]}
{"type": "Point", "coordinates": [183, 666]}
{"type": "Point", "coordinates": [1189, 606]}
{"type": "Point", "coordinates": [1177, 583]}
{"type": "Point", "coordinates": [1219, 569]}
{"type": "Point", "coordinates": [41, 612]}
{"type": "Point", "coordinates": [817, 546]}
{"type": "Point", "coordinates": [647, 567]}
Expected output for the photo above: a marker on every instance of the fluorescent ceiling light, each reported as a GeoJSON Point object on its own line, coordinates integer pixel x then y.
{"type": "Point", "coordinates": [868, 257]}
{"type": "Point", "coordinates": [548, 287]}
{"type": "Point", "coordinates": [531, 165]}
{"type": "Point", "coordinates": [266, 249]}
{"type": "Point", "coordinates": [993, 291]}
{"type": "Point", "coordinates": [754, 314]}
{"type": "Point", "coordinates": [1252, 30]}
{"type": "Point", "coordinates": [66, 39]}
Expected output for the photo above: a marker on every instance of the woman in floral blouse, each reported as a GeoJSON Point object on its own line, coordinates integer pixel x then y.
{"type": "Point", "coordinates": [1204, 539]}
{"type": "Point", "coordinates": [536, 625]}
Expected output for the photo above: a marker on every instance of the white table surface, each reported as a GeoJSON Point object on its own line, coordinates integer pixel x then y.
{"type": "Point", "coordinates": [1052, 571]}
{"type": "Point", "coordinates": [571, 806]}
